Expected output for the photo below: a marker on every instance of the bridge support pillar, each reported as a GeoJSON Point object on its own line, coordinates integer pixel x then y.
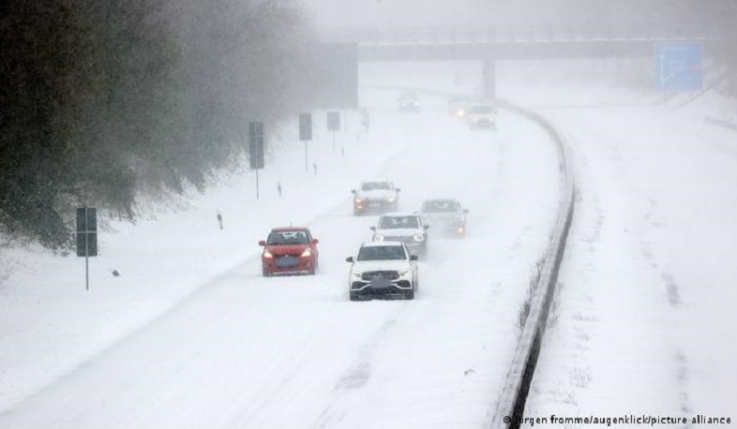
{"type": "Point", "coordinates": [489, 76]}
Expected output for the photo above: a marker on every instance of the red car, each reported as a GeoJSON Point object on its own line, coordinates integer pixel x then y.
{"type": "Point", "coordinates": [289, 250]}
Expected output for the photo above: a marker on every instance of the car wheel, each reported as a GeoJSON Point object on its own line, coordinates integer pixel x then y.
{"type": "Point", "coordinates": [266, 272]}
{"type": "Point", "coordinates": [354, 296]}
{"type": "Point", "coordinates": [409, 294]}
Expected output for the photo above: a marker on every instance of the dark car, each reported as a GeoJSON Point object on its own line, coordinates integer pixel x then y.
{"type": "Point", "coordinates": [289, 250]}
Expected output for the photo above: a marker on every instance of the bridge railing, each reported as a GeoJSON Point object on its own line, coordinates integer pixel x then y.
{"type": "Point", "coordinates": [532, 33]}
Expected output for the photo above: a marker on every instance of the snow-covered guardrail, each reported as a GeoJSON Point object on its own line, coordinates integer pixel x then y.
{"type": "Point", "coordinates": [727, 122]}
{"type": "Point", "coordinates": [512, 401]}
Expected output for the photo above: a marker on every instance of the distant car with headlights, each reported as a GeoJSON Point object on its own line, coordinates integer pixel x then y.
{"type": "Point", "coordinates": [289, 250]}
{"type": "Point", "coordinates": [406, 228]}
{"type": "Point", "coordinates": [375, 196]}
{"type": "Point", "coordinates": [444, 214]}
{"type": "Point", "coordinates": [408, 102]}
{"type": "Point", "coordinates": [382, 269]}
{"type": "Point", "coordinates": [481, 116]}
{"type": "Point", "coordinates": [458, 106]}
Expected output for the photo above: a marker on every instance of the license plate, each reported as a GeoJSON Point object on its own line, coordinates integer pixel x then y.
{"type": "Point", "coordinates": [286, 261]}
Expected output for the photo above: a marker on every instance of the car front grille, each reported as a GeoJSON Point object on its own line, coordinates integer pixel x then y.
{"type": "Point", "coordinates": [403, 239]}
{"type": "Point", "coordinates": [371, 275]}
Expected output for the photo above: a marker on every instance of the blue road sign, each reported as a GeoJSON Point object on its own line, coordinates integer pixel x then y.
{"type": "Point", "coordinates": [679, 65]}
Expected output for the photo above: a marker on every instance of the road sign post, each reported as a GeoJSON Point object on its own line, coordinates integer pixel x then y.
{"type": "Point", "coordinates": [305, 133]}
{"type": "Point", "coordinates": [87, 238]}
{"type": "Point", "coordinates": [333, 124]}
{"type": "Point", "coordinates": [256, 148]}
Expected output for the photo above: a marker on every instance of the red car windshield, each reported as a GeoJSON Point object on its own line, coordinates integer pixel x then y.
{"type": "Point", "coordinates": [287, 237]}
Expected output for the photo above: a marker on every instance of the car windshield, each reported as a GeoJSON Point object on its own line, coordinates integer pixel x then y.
{"type": "Point", "coordinates": [390, 222]}
{"type": "Point", "coordinates": [439, 206]}
{"type": "Point", "coordinates": [381, 253]}
{"type": "Point", "coordinates": [288, 237]}
{"type": "Point", "coordinates": [483, 109]}
{"type": "Point", "coordinates": [370, 186]}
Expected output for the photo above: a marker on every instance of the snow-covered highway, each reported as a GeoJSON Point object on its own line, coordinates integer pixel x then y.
{"type": "Point", "coordinates": [246, 351]}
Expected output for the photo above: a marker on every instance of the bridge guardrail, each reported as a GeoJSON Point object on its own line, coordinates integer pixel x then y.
{"type": "Point", "coordinates": [535, 33]}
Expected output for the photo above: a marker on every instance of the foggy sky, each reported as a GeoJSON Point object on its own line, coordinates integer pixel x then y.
{"type": "Point", "coordinates": [391, 13]}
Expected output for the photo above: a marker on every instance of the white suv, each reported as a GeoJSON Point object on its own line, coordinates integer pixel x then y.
{"type": "Point", "coordinates": [382, 270]}
{"type": "Point", "coordinates": [406, 228]}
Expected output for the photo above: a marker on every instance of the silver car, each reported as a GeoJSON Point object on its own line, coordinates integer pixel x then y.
{"type": "Point", "coordinates": [481, 116]}
{"type": "Point", "coordinates": [445, 215]}
{"type": "Point", "coordinates": [375, 195]}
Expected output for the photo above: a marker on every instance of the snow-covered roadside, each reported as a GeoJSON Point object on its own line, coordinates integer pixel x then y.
{"type": "Point", "coordinates": [644, 321]}
{"type": "Point", "coordinates": [49, 324]}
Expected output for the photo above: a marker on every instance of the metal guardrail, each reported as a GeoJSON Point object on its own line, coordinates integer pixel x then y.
{"type": "Point", "coordinates": [726, 122]}
{"type": "Point", "coordinates": [512, 401]}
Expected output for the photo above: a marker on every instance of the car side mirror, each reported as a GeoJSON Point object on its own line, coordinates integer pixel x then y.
{"type": "Point", "coordinates": [413, 258]}
{"type": "Point", "coordinates": [397, 189]}
{"type": "Point", "coordinates": [372, 228]}
{"type": "Point", "coordinates": [465, 210]}
{"type": "Point", "coordinates": [353, 191]}
{"type": "Point", "coordinates": [426, 226]}
{"type": "Point", "coordinates": [262, 243]}
{"type": "Point", "coordinates": [349, 259]}
{"type": "Point", "coordinates": [315, 241]}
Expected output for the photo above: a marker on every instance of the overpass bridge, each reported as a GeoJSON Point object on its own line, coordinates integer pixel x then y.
{"type": "Point", "coordinates": [531, 42]}
{"type": "Point", "coordinates": [539, 42]}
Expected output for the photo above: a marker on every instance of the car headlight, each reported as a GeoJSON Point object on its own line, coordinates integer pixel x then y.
{"type": "Point", "coordinates": [419, 237]}
{"type": "Point", "coordinates": [405, 272]}
{"type": "Point", "coordinates": [356, 275]}
{"type": "Point", "coordinates": [391, 199]}
{"type": "Point", "coordinates": [268, 254]}
{"type": "Point", "coordinates": [378, 237]}
{"type": "Point", "coordinates": [357, 201]}
{"type": "Point", "coordinates": [307, 253]}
